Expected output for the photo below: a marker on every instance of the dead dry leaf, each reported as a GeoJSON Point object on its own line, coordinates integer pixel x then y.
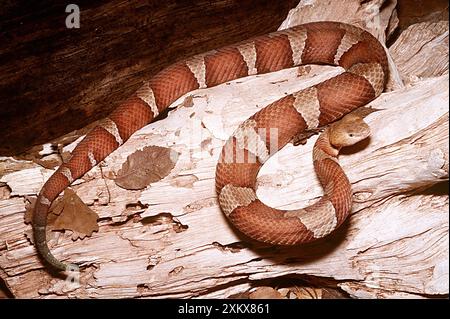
{"type": "Point", "coordinates": [307, 292]}
{"type": "Point", "coordinates": [29, 235]}
{"type": "Point", "coordinates": [76, 235]}
{"type": "Point", "coordinates": [188, 101]}
{"type": "Point", "coordinates": [146, 166]}
{"type": "Point", "coordinates": [329, 293]}
{"type": "Point", "coordinates": [265, 293]}
{"type": "Point", "coordinates": [72, 214]}
{"type": "Point", "coordinates": [66, 213]}
{"type": "Point", "coordinates": [29, 207]}
{"type": "Point", "coordinates": [5, 192]}
{"type": "Point", "coordinates": [50, 161]}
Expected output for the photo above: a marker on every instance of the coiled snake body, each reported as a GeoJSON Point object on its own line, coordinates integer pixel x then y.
{"type": "Point", "coordinates": [352, 48]}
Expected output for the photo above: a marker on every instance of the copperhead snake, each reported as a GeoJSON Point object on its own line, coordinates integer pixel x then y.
{"type": "Point", "coordinates": [365, 64]}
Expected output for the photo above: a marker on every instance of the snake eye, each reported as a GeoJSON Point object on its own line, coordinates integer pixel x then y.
{"type": "Point", "coordinates": [351, 134]}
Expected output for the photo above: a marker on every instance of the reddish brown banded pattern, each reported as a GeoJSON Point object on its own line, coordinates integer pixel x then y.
{"type": "Point", "coordinates": [240, 174]}
{"type": "Point", "coordinates": [273, 53]}
{"type": "Point", "coordinates": [321, 44]}
{"type": "Point", "coordinates": [335, 100]}
{"type": "Point", "coordinates": [100, 142]}
{"type": "Point", "coordinates": [324, 146]}
{"type": "Point", "coordinates": [131, 116]}
{"type": "Point", "coordinates": [224, 65]}
{"type": "Point", "coordinates": [336, 96]}
{"type": "Point", "coordinates": [171, 83]}
{"type": "Point", "coordinates": [367, 51]}
{"type": "Point", "coordinates": [328, 172]}
{"type": "Point", "coordinates": [57, 182]}
{"type": "Point", "coordinates": [281, 119]}
{"type": "Point", "coordinates": [268, 225]}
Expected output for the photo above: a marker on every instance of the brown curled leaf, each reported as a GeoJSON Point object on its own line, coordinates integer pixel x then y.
{"type": "Point", "coordinates": [71, 213]}
{"type": "Point", "coordinates": [188, 101]}
{"type": "Point", "coordinates": [265, 293]}
{"type": "Point", "coordinates": [307, 292]}
{"type": "Point", "coordinates": [29, 208]}
{"type": "Point", "coordinates": [329, 293]}
{"type": "Point", "coordinates": [146, 166]}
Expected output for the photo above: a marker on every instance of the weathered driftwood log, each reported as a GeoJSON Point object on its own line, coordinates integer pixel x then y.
{"type": "Point", "coordinates": [171, 239]}
{"type": "Point", "coordinates": [51, 72]}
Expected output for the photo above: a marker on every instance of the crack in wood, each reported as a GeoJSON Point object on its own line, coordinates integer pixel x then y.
{"type": "Point", "coordinates": [233, 247]}
{"type": "Point", "coordinates": [164, 218]}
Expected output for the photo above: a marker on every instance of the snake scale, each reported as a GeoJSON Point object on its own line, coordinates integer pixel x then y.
{"type": "Point", "coordinates": [334, 43]}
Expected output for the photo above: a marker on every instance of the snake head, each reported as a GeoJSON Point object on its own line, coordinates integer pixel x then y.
{"type": "Point", "coordinates": [348, 131]}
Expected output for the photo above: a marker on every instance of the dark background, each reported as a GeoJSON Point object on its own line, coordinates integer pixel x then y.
{"type": "Point", "coordinates": [54, 80]}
